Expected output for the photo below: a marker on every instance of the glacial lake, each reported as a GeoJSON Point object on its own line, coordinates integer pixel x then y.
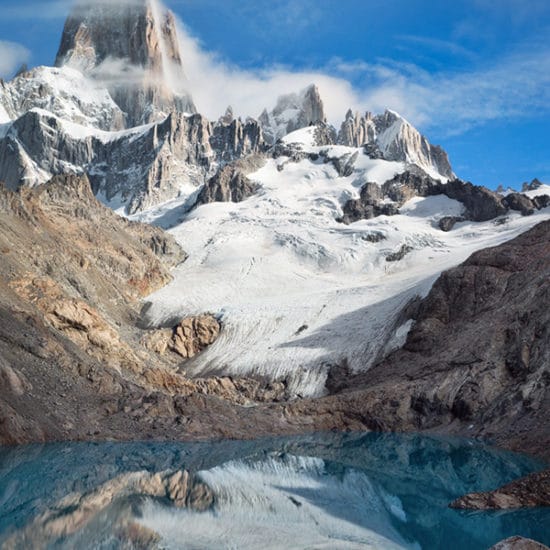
{"type": "Point", "coordinates": [330, 491]}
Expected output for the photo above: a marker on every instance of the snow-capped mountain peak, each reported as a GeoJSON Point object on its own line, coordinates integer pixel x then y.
{"type": "Point", "coordinates": [394, 138]}
{"type": "Point", "coordinates": [133, 49]}
{"type": "Point", "coordinates": [292, 112]}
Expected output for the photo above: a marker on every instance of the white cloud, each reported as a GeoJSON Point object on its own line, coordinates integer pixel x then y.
{"type": "Point", "coordinates": [518, 85]}
{"type": "Point", "coordinates": [12, 56]}
{"type": "Point", "coordinates": [216, 84]}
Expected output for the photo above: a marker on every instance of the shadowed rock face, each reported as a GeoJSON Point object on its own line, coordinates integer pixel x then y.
{"type": "Point", "coordinates": [480, 204]}
{"type": "Point", "coordinates": [137, 39]}
{"type": "Point", "coordinates": [476, 360]}
{"type": "Point", "coordinates": [233, 139]}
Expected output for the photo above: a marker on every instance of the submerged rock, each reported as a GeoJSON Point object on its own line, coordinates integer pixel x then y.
{"type": "Point", "coordinates": [528, 492]}
{"type": "Point", "coordinates": [519, 543]}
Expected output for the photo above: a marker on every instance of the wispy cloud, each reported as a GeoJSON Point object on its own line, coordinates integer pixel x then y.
{"type": "Point", "coordinates": [517, 85]}
{"type": "Point", "coordinates": [438, 45]}
{"type": "Point", "coordinates": [12, 56]}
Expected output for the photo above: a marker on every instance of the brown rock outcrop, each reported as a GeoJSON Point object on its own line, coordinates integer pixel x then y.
{"type": "Point", "coordinates": [187, 338]}
{"type": "Point", "coordinates": [71, 276]}
{"type": "Point", "coordinates": [519, 543]}
{"type": "Point", "coordinates": [528, 492]}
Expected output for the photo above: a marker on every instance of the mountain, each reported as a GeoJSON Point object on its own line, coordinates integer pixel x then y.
{"type": "Point", "coordinates": [301, 293]}
{"type": "Point", "coordinates": [63, 92]}
{"type": "Point", "coordinates": [292, 112]}
{"type": "Point", "coordinates": [309, 252]}
{"type": "Point", "coordinates": [132, 49]}
{"type": "Point", "coordinates": [115, 107]}
{"type": "Point", "coordinates": [395, 139]}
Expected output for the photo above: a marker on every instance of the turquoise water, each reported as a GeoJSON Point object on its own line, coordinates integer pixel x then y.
{"type": "Point", "coordinates": [321, 491]}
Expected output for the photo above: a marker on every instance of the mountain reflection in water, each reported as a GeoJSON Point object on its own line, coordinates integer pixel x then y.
{"type": "Point", "coordinates": [380, 491]}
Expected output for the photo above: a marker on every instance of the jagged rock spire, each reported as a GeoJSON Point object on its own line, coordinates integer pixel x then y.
{"type": "Point", "coordinates": [131, 47]}
{"type": "Point", "coordinates": [292, 112]}
{"type": "Point", "coordinates": [394, 139]}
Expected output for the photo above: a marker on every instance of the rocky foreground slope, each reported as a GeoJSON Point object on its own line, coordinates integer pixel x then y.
{"type": "Point", "coordinates": [75, 366]}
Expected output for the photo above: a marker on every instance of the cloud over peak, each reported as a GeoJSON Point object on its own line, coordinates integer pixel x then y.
{"type": "Point", "coordinates": [12, 56]}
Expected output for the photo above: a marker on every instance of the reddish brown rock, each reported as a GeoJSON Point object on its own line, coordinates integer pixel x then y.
{"type": "Point", "coordinates": [528, 492]}
{"type": "Point", "coordinates": [519, 543]}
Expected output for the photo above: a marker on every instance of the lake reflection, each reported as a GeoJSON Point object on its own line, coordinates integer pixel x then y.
{"type": "Point", "coordinates": [322, 491]}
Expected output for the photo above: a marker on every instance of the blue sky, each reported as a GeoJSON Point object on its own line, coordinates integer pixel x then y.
{"type": "Point", "coordinates": [473, 75]}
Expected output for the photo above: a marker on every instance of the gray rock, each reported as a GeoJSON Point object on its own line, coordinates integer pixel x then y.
{"type": "Point", "coordinates": [517, 201]}
{"type": "Point", "coordinates": [325, 134]}
{"type": "Point", "coordinates": [292, 112]}
{"type": "Point", "coordinates": [391, 137]}
{"type": "Point", "coordinates": [399, 254]}
{"type": "Point", "coordinates": [541, 201]}
{"type": "Point", "coordinates": [448, 222]}
{"type": "Point", "coordinates": [535, 184]}
{"type": "Point", "coordinates": [232, 139]}
{"type": "Point", "coordinates": [481, 204]}
{"type": "Point", "coordinates": [230, 183]}
{"type": "Point", "coordinates": [357, 130]}
{"type": "Point", "coordinates": [134, 51]}
{"type": "Point", "coordinates": [141, 168]}
{"type": "Point", "coordinates": [345, 164]}
{"type": "Point", "coordinates": [519, 543]}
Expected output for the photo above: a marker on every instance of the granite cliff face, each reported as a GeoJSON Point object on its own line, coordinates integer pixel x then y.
{"type": "Point", "coordinates": [232, 138]}
{"type": "Point", "coordinates": [292, 112]}
{"type": "Point", "coordinates": [137, 168]}
{"type": "Point", "coordinates": [132, 48]}
{"type": "Point", "coordinates": [391, 137]}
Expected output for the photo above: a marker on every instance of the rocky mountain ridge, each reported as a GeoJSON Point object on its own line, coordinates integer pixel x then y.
{"type": "Point", "coordinates": [53, 124]}
{"type": "Point", "coordinates": [394, 139]}
{"type": "Point", "coordinates": [118, 92]}
{"type": "Point", "coordinates": [480, 204]}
